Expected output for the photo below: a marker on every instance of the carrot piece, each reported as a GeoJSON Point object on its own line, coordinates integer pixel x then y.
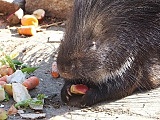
{"type": "Point", "coordinates": [27, 30]}
{"type": "Point", "coordinates": [54, 72]}
{"type": "Point", "coordinates": [31, 82]}
{"type": "Point", "coordinates": [78, 89]}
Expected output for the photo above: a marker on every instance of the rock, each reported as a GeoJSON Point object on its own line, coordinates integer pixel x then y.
{"type": "Point", "coordinates": [10, 6]}
{"type": "Point", "coordinates": [53, 8]}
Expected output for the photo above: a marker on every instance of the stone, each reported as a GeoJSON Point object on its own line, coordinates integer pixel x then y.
{"type": "Point", "coordinates": [53, 8]}
{"type": "Point", "coordinates": [10, 6]}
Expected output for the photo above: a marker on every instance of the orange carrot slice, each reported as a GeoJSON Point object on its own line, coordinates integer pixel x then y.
{"type": "Point", "coordinates": [28, 20]}
{"type": "Point", "coordinates": [27, 30]}
{"type": "Point", "coordinates": [31, 82]}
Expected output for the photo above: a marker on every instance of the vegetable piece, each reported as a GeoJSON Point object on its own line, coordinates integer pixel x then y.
{"type": "Point", "coordinates": [2, 83]}
{"type": "Point", "coordinates": [54, 72]}
{"type": "Point", "coordinates": [5, 70]}
{"type": "Point", "coordinates": [27, 30]}
{"type": "Point", "coordinates": [29, 69]}
{"type": "Point", "coordinates": [28, 20]}
{"type": "Point", "coordinates": [41, 96]}
{"type": "Point", "coordinates": [31, 82]}
{"type": "Point", "coordinates": [36, 104]}
{"type": "Point", "coordinates": [39, 14]}
{"type": "Point", "coordinates": [26, 103]}
{"type": "Point", "coordinates": [78, 89]}
{"type": "Point", "coordinates": [18, 76]}
{"type": "Point", "coordinates": [4, 78]}
{"type": "Point", "coordinates": [8, 89]}
{"type": "Point", "coordinates": [10, 71]}
{"type": "Point", "coordinates": [3, 114]}
{"type": "Point", "coordinates": [20, 93]}
{"type": "Point", "coordinates": [12, 110]}
{"type": "Point", "coordinates": [10, 62]}
{"type": "Point", "coordinates": [2, 93]}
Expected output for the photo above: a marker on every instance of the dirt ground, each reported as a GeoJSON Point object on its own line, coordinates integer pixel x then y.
{"type": "Point", "coordinates": [40, 50]}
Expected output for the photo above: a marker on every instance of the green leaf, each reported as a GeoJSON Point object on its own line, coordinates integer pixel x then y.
{"type": "Point", "coordinates": [10, 62]}
{"type": "Point", "coordinates": [17, 62]}
{"type": "Point", "coordinates": [36, 102]}
{"type": "Point", "coordinates": [6, 97]}
{"type": "Point", "coordinates": [24, 66]}
{"type": "Point", "coordinates": [24, 103]}
{"type": "Point", "coordinates": [3, 62]}
{"type": "Point", "coordinates": [29, 69]}
{"type": "Point", "coordinates": [41, 96]}
{"type": "Point", "coordinates": [28, 102]}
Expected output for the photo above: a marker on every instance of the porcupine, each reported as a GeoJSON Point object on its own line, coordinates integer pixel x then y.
{"type": "Point", "coordinates": [113, 47]}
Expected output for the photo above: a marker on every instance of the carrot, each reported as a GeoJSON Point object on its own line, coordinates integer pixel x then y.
{"type": "Point", "coordinates": [27, 30]}
{"type": "Point", "coordinates": [31, 82]}
{"type": "Point", "coordinates": [4, 78]}
{"type": "Point", "coordinates": [28, 20]}
{"type": "Point", "coordinates": [2, 83]}
{"type": "Point", "coordinates": [54, 71]}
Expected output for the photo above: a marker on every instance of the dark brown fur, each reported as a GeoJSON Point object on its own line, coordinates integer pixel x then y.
{"type": "Point", "coordinates": [113, 47]}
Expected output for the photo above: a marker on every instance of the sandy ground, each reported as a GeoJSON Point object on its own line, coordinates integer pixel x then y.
{"type": "Point", "coordinates": [40, 50]}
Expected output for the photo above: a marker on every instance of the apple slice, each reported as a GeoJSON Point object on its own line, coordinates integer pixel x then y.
{"type": "Point", "coordinates": [8, 89]}
{"type": "Point", "coordinates": [3, 114]}
{"type": "Point", "coordinates": [2, 94]}
{"type": "Point", "coordinates": [79, 89]}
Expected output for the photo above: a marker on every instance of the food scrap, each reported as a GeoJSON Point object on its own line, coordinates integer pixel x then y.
{"type": "Point", "coordinates": [79, 89]}
{"type": "Point", "coordinates": [28, 20]}
{"type": "Point", "coordinates": [31, 82]}
{"type": "Point", "coordinates": [54, 71]}
{"type": "Point", "coordinates": [2, 93]}
{"type": "Point", "coordinates": [8, 89]}
{"type": "Point", "coordinates": [12, 110]}
{"type": "Point", "coordinates": [15, 82]}
{"type": "Point", "coordinates": [27, 30]}
{"type": "Point", "coordinates": [20, 93]}
{"type": "Point", "coordinates": [3, 114]}
{"type": "Point", "coordinates": [39, 14]}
